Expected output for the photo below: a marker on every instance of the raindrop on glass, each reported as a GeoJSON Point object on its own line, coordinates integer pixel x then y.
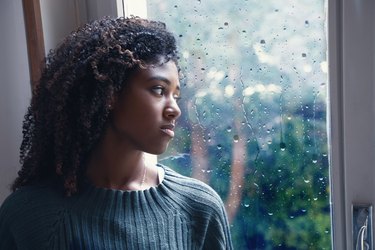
{"type": "Point", "coordinates": [236, 138]}
{"type": "Point", "coordinates": [306, 180]}
{"type": "Point", "coordinates": [314, 158]}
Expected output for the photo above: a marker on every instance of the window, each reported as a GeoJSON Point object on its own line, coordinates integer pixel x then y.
{"type": "Point", "coordinates": [254, 123]}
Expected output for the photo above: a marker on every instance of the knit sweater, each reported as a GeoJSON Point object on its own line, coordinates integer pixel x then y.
{"type": "Point", "coordinates": [179, 213]}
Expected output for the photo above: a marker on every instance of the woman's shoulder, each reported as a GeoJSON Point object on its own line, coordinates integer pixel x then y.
{"type": "Point", "coordinates": [28, 200]}
{"type": "Point", "coordinates": [191, 189]}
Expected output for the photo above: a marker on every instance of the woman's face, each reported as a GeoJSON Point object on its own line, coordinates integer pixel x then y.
{"type": "Point", "coordinates": [144, 116]}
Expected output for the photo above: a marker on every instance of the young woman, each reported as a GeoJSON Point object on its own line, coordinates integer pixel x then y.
{"type": "Point", "coordinates": [107, 96]}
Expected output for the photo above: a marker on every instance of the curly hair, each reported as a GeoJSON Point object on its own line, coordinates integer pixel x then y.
{"type": "Point", "coordinates": [70, 107]}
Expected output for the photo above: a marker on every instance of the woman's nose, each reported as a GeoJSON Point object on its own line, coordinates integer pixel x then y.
{"type": "Point", "coordinates": [172, 110]}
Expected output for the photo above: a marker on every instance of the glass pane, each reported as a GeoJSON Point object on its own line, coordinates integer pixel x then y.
{"type": "Point", "coordinates": [254, 114]}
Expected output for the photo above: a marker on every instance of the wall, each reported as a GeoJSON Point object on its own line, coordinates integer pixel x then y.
{"type": "Point", "coordinates": [15, 89]}
{"type": "Point", "coordinates": [59, 18]}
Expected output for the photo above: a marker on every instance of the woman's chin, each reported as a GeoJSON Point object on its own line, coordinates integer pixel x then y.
{"type": "Point", "coordinates": [157, 150]}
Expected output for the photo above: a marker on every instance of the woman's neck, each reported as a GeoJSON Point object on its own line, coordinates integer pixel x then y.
{"type": "Point", "coordinates": [116, 166]}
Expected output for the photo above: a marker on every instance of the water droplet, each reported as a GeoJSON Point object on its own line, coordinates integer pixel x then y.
{"type": "Point", "coordinates": [226, 23]}
{"type": "Point", "coordinates": [307, 23]}
{"type": "Point", "coordinates": [315, 199]}
{"type": "Point", "coordinates": [262, 41]}
{"type": "Point", "coordinates": [236, 138]}
{"type": "Point", "coordinates": [314, 158]}
{"type": "Point", "coordinates": [303, 210]}
{"type": "Point", "coordinates": [229, 129]}
{"type": "Point", "coordinates": [306, 180]}
{"type": "Point", "coordinates": [282, 146]}
{"type": "Point", "coordinates": [304, 55]}
{"type": "Point", "coordinates": [270, 214]}
{"type": "Point", "coordinates": [247, 205]}
{"type": "Point", "coordinates": [219, 146]}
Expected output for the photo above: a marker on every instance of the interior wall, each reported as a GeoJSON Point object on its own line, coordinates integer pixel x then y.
{"type": "Point", "coordinates": [59, 18]}
{"type": "Point", "coordinates": [15, 90]}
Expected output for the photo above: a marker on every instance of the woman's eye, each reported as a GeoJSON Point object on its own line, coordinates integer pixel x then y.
{"type": "Point", "coordinates": [177, 97]}
{"type": "Point", "coordinates": [159, 90]}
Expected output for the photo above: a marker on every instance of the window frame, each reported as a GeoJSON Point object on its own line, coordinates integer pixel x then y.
{"type": "Point", "coordinates": [340, 208]}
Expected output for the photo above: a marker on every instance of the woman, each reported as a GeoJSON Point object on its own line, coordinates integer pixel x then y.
{"type": "Point", "coordinates": [107, 96]}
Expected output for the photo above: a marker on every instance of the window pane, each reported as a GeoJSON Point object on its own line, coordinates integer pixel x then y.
{"type": "Point", "coordinates": [254, 90]}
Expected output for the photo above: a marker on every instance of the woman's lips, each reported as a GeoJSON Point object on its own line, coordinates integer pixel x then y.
{"type": "Point", "coordinates": [168, 132]}
{"type": "Point", "coordinates": [168, 129]}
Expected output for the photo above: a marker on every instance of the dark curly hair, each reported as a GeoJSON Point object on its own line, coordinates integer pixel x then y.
{"type": "Point", "coordinates": [70, 108]}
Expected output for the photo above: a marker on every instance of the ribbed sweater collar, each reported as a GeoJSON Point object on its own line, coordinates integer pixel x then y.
{"type": "Point", "coordinates": [105, 199]}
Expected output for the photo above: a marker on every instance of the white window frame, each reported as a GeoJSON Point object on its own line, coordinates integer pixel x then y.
{"type": "Point", "coordinates": [352, 64]}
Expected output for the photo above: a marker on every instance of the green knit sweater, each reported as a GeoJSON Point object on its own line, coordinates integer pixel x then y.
{"type": "Point", "coordinates": [180, 213]}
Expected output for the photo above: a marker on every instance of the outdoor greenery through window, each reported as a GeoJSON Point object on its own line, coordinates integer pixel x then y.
{"type": "Point", "coordinates": [254, 100]}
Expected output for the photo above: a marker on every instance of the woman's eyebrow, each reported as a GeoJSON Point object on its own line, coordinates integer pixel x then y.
{"type": "Point", "coordinates": [163, 79]}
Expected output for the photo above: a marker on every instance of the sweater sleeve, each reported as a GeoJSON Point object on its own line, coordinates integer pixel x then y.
{"type": "Point", "coordinates": [218, 232]}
